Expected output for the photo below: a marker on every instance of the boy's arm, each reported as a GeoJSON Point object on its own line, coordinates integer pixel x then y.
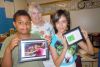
{"type": "Point", "coordinates": [7, 59]}
{"type": "Point", "coordinates": [0, 61]}
{"type": "Point", "coordinates": [4, 45]}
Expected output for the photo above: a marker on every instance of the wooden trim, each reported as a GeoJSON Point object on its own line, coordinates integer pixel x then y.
{"type": "Point", "coordinates": [54, 2]}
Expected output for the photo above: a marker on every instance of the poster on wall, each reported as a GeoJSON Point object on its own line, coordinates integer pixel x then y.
{"type": "Point", "coordinates": [9, 13]}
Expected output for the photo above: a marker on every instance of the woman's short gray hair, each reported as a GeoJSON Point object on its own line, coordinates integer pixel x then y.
{"type": "Point", "coordinates": [32, 6]}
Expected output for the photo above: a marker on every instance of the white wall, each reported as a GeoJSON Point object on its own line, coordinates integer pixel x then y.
{"type": "Point", "coordinates": [88, 19]}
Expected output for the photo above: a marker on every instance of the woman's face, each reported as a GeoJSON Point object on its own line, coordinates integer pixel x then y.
{"type": "Point", "coordinates": [36, 16]}
{"type": "Point", "coordinates": [61, 24]}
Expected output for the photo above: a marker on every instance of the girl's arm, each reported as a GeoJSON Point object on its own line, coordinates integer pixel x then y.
{"type": "Point", "coordinates": [87, 46]}
{"type": "Point", "coordinates": [57, 59]}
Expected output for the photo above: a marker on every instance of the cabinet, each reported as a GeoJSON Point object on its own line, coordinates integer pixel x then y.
{"type": "Point", "coordinates": [89, 62]}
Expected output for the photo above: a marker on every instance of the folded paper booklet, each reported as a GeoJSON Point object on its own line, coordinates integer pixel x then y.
{"type": "Point", "coordinates": [33, 50]}
{"type": "Point", "coordinates": [74, 36]}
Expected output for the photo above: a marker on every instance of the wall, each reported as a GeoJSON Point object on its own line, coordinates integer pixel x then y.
{"type": "Point", "coordinates": [70, 5]}
{"type": "Point", "coordinates": [7, 9]}
{"type": "Point", "coordinates": [1, 3]}
{"type": "Point", "coordinates": [20, 4]}
{"type": "Point", "coordinates": [88, 19]}
{"type": "Point", "coordinates": [87, 15]}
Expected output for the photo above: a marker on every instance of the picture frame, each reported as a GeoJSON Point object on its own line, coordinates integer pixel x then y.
{"type": "Point", "coordinates": [33, 50]}
{"type": "Point", "coordinates": [74, 36]}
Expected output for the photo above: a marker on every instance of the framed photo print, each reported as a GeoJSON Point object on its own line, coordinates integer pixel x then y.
{"type": "Point", "coordinates": [74, 36]}
{"type": "Point", "coordinates": [33, 50]}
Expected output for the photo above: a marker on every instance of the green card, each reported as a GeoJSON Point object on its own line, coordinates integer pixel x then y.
{"type": "Point", "coordinates": [71, 38]}
{"type": "Point", "coordinates": [74, 36]}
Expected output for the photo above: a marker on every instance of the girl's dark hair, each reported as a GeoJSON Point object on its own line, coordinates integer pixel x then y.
{"type": "Point", "coordinates": [20, 13]}
{"type": "Point", "coordinates": [57, 15]}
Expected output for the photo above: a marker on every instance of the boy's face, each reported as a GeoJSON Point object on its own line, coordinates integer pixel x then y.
{"type": "Point", "coordinates": [22, 24]}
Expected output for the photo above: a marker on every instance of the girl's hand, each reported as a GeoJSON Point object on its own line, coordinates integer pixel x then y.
{"type": "Point", "coordinates": [64, 42]}
{"type": "Point", "coordinates": [85, 34]}
{"type": "Point", "coordinates": [13, 43]}
{"type": "Point", "coordinates": [48, 38]}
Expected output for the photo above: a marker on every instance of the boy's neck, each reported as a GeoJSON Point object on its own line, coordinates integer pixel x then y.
{"type": "Point", "coordinates": [23, 36]}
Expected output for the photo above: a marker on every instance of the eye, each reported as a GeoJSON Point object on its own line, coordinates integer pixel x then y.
{"type": "Point", "coordinates": [65, 21]}
{"type": "Point", "coordinates": [28, 23]}
{"type": "Point", "coordinates": [20, 22]}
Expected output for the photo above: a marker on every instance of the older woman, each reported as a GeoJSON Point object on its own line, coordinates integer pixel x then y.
{"type": "Point", "coordinates": [40, 27]}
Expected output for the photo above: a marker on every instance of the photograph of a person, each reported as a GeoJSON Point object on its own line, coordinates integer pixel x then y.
{"type": "Point", "coordinates": [35, 49]}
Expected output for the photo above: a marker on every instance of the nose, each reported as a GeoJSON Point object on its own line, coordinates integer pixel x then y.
{"type": "Point", "coordinates": [25, 25]}
{"type": "Point", "coordinates": [61, 24]}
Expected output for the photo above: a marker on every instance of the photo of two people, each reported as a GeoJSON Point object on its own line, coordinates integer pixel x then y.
{"type": "Point", "coordinates": [33, 50]}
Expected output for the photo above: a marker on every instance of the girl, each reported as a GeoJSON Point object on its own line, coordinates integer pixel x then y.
{"type": "Point", "coordinates": [62, 54]}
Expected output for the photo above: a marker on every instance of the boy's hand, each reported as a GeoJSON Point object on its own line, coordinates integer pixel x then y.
{"type": "Point", "coordinates": [13, 43]}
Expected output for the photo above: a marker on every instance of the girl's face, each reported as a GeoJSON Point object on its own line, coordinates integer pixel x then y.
{"type": "Point", "coordinates": [61, 24]}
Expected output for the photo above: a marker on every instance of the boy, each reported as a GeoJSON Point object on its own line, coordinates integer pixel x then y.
{"type": "Point", "coordinates": [9, 51]}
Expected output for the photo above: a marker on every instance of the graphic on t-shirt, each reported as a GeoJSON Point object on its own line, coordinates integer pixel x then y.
{"type": "Point", "coordinates": [69, 53]}
{"type": "Point", "coordinates": [70, 56]}
{"type": "Point", "coordinates": [58, 47]}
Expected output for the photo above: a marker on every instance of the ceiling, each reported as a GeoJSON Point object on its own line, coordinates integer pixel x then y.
{"type": "Point", "coordinates": [43, 2]}
{"type": "Point", "coordinates": [51, 5]}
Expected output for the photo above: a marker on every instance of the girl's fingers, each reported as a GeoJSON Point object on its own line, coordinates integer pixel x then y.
{"type": "Point", "coordinates": [85, 34]}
